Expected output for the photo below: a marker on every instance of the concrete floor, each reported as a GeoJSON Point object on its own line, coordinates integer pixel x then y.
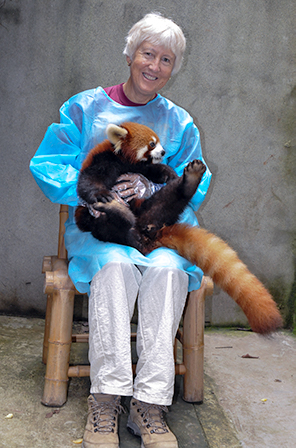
{"type": "Point", "coordinates": [257, 393]}
{"type": "Point", "coordinates": [231, 416]}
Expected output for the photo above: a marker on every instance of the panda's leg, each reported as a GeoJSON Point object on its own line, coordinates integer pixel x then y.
{"type": "Point", "coordinates": [115, 224]}
{"type": "Point", "coordinates": [191, 178]}
{"type": "Point", "coordinates": [83, 219]}
{"type": "Point", "coordinates": [166, 205]}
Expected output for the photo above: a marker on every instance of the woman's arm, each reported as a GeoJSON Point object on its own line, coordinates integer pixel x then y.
{"type": "Point", "coordinates": [55, 166]}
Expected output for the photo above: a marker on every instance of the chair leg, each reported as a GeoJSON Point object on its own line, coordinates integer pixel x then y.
{"type": "Point", "coordinates": [60, 335]}
{"type": "Point", "coordinates": [47, 328]}
{"type": "Point", "coordinates": [47, 266]}
{"type": "Point", "coordinates": [193, 345]}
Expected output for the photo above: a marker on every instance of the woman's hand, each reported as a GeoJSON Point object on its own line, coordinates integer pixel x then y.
{"type": "Point", "coordinates": [131, 186]}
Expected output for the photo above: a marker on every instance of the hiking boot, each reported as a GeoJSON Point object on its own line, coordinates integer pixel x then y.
{"type": "Point", "coordinates": [101, 429]}
{"type": "Point", "coordinates": [147, 421]}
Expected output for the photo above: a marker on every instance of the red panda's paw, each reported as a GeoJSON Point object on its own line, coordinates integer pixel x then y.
{"type": "Point", "coordinates": [150, 231]}
{"type": "Point", "coordinates": [104, 196]}
{"type": "Point", "coordinates": [192, 176]}
{"type": "Point", "coordinates": [196, 168]}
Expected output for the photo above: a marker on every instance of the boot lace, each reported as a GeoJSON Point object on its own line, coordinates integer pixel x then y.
{"type": "Point", "coordinates": [104, 414]}
{"type": "Point", "coordinates": [153, 417]}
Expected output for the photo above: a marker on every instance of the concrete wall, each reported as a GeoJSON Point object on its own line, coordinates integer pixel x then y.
{"type": "Point", "coordinates": [238, 82]}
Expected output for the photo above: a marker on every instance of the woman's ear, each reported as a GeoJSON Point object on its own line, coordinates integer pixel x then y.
{"type": "Point", "coordinates": [128, 60]}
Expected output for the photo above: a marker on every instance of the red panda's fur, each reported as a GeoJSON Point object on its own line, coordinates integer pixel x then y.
{"type": "Point", "coordinates": [221, 263]}
{"type": "Point", "coordinates": [101, 147]}
{"type": "Point", "coordinates": [197, 245]}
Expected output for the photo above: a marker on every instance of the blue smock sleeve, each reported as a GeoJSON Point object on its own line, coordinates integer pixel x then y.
{"type": "Point", "coordinates": [190, 149]}
{"type": "Point", "coordinates": [56, 163]}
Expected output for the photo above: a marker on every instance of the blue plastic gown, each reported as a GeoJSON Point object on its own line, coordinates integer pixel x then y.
{"type": "Point", "coordinates": [56, 164]}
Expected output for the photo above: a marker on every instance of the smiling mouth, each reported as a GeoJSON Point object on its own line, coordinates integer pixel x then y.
{"type": "Point", "coordinates": [149, 77]}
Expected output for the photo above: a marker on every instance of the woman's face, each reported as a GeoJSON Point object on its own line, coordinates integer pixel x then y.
{"type": "Point", "coordinates": [150, 70]}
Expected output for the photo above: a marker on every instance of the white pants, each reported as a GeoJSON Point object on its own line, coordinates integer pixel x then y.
{"type": "Point", "coordinates": [161, 294]}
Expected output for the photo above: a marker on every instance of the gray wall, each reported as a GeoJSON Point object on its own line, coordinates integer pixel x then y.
{"type": "Point", "coordinates": [238, 82]}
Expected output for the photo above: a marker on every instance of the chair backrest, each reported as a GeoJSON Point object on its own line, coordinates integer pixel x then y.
{"type": "Point", "coordinates": [62, 252]}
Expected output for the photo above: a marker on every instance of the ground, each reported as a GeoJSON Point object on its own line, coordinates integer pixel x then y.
{"type": "Point", "coordinates": [249, 401]}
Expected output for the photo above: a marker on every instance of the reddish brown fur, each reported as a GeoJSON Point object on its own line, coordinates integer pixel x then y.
{"type": "Point", "coordinates": [101, 147]}
{"type": "Point", "coordinates": [79, 212]}
{"type": "Point", "coordinates": [133, 141]}
{"type": "Point", "coordinates": [222, 264]}
{"type": "Point", "coordinates": [136, 140]}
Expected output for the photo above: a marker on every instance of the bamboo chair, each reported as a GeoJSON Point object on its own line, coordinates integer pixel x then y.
{"type": "Point", "coordinates": [58, 335]}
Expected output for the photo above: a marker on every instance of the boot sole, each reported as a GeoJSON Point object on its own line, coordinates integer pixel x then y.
{"type": "Point", "coordinates": [82, 446]}
{"type": "Point", "coordinates": [133, 428]}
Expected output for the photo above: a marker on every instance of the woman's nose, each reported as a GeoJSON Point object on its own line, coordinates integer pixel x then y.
{"type": "Point", "coordinates": [155, 65]}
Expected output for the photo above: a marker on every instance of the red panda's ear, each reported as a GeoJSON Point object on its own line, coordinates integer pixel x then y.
{"type": "Point", "coordinates": [116, 135]}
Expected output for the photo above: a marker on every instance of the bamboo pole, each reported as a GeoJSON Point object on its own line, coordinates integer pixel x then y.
{"type": "Point", "coordinates": [80, 337]}
{"type": "Point", "coordinates": [47, 328]}
{"type": "Point", "coordinates": [193, 345]}
{"type": "Point", "coordinates": [60, 286]}
{"type": "Point", "coordinates": [62, 253]}
{"type": "Point", "coordinates": [193, 341]}
{"type": "Point", "coordinates": [78, 371]}
{"type": "Point", "coordinates": [47, 266]}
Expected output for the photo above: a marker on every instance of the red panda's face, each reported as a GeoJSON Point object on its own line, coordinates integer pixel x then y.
{"type": "Point", "coordinates": [151, 152]}
{"type": "Point", "coordinates": [136, 142]}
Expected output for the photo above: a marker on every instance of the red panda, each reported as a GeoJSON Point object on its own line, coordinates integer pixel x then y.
{"type": "Point", "coordinates": [132, 148]}
{"type": "Point", "coordinates": [150, 223]}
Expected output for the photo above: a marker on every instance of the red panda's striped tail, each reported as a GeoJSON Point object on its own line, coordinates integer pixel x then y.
{"type": "Point", "coordinates": [222, 264]}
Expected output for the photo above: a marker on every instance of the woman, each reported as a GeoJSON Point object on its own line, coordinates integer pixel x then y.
{"type": "Point", "coordinates": [114, 275]}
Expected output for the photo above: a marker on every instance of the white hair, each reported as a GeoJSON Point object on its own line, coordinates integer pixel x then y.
{"type": "Point", "coordinates": [157, 30]}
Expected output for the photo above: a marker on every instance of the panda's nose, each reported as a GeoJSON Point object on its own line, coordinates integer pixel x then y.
{"type": "Point", "coordinates": [162, 153]}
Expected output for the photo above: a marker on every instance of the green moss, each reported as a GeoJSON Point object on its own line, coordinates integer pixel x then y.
{"type": "Point", "coordinates": [285, 297]}
{"type": "Point", "coordinates": [287, 124]}
{"type": "Point", "coordinates": [291, 304]}
{"type": "Point", "coordinates": [278, 290]}
{"type": "Point", "coordinates": [284, 294]}
{"type": "Point", "coordinates": [289, 115]}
